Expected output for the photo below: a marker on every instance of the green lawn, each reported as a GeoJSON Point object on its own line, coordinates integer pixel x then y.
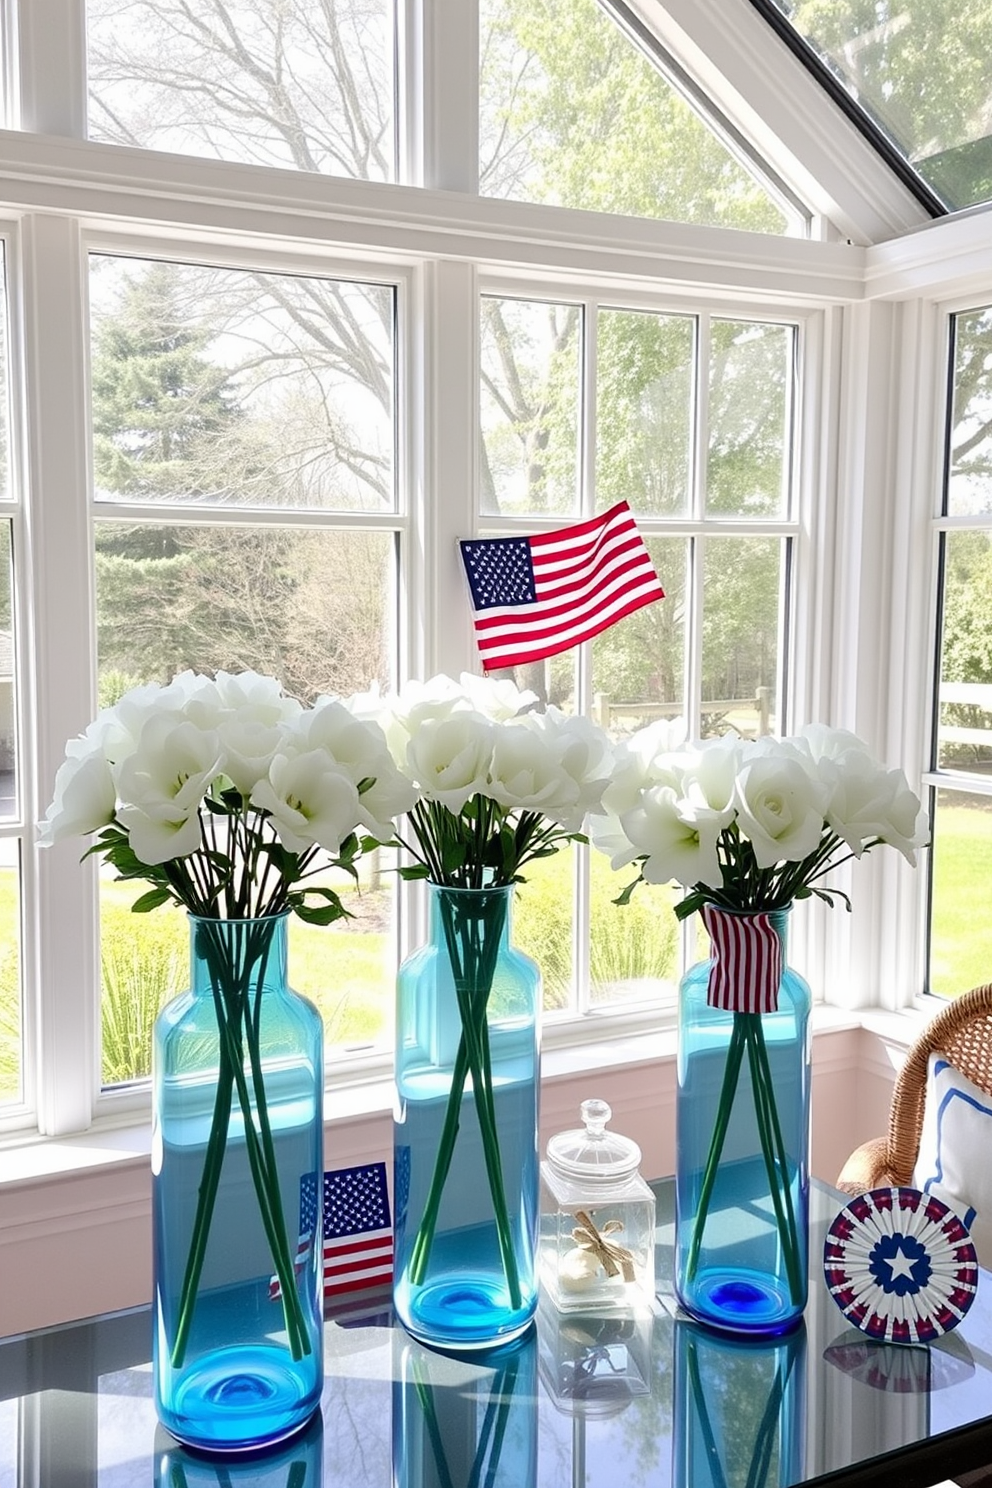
{"type": "Point", "coordinates": [347, 971]}
{"type": "Point", "coordinates": [145, 959]}
{"type": "Point", "coordinates": [961, 943]}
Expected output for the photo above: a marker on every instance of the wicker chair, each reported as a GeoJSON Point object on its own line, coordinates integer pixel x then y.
{"type": "Point", "coordinates": [962, 1032]}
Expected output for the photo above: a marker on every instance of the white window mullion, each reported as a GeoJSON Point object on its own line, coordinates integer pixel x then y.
{"type": "Point", "coordinates": [439, 68]}
{"type": "Point", "coordinates": [588, 393]}
{"type": "Point", "coordinates": [59, 542]}
{"type": "Point", "coordinates": [50, 57]}
{"type": "Point", "coordinates": [697, 507]}
{"type": "Point", "coordinates": [451, 458]}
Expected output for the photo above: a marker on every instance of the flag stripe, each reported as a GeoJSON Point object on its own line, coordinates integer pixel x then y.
{"type": "Point", "coordinates": [563, 636]}
{"type": "Point", "coordinates": [356, 1227]}
{"type": "Point", "coordinates": [568, 557]}
{"type": "Point", "coordinates": [341, 1288]}
{"type": "Point", "coordinates": [746, 961]}
{"type": "Point", "coordinates": [616, 558]}
{"type": "Point", "coordinates": [538, 596]}
{"type": "Point", "coordinates": [633, 572]}
{"type": "Point", "coordinates": [521, 654]}
{"type": "Point", "coordinates": [531, 647]}
{"type": "Point", "coordinates": [590, 527]}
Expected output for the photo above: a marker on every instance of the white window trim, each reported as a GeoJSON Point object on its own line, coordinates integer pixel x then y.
{"type": "Point", "coordinates": [65, 192]}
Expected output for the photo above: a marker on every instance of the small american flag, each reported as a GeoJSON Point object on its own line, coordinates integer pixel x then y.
{"type": "Point", "coordinates": [747, 961]}
{"type": "Point", "coordinates": [358, 1233]}
{"type": "Point", "coordinates": [536, 596]}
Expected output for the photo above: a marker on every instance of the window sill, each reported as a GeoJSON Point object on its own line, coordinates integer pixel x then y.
{"type": "Point", "coordinates": [118, 1141]}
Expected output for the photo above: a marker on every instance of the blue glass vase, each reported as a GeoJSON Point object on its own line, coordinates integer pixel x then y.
{"type": "Point", "coordinates": [466, 1127]}
{"type": "Point", "coordinates": [739, 1413]}
{"type": "Point", "coordinates": [742, 1152]}
{"type": "Point", "coordinates": [237, 1160]}
{"type": "Point", "coordinates": [465, 1424]}
{"type": "Point", "coordinates": [295, 1463]}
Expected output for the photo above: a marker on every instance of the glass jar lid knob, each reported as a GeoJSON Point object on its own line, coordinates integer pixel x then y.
{"type": "Point", "coordinates": [591, 1151]}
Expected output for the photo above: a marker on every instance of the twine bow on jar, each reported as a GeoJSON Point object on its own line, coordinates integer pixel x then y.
{"type": "Point", "coordinates": [613, 1258]}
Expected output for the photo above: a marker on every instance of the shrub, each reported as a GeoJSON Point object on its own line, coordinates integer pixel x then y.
{"type": "Point", "coordinates": [630, 944]}
{"type": "Point", "coordinates": [10, 1025]}
{"type": "Point", "coordinates": [145, 963]}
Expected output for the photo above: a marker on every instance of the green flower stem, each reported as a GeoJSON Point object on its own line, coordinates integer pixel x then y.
{"type": "Point", "coordinates": [473, 949]}
{"type": "Point", "coordinates": [421, 1248]}
{"type": "Point", "coordinates": [270, 1207]}
{"type": "Point", "coordinates": [735, 1055]}
{"type": "Point", "coordinates": [748, 1034]}
{"type": "Point", "coordinates": [206, 1198]}
{"type": "Point", "coordinates": [776, 1164]}
{"type": "Point", "coordinates": [231, 1003]}
{"type": "Point", "coordinates": [473, 995]}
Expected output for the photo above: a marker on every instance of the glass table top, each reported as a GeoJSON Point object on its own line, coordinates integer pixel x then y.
{"type": "Point", "coordinates": [582, 1402]}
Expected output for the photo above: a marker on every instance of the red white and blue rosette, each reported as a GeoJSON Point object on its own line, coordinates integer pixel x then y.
{"type": "Point", "coordinates": [900, 1265]}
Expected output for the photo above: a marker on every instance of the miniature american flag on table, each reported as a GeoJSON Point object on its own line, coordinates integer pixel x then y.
{"type": "Point", "coordinates": [357, 1229]}
{"type": "Point", "coordinates": [537, 596]}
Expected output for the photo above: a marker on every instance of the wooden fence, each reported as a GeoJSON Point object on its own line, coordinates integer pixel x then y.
{"type": "Point", "coordinates": [606, 712]}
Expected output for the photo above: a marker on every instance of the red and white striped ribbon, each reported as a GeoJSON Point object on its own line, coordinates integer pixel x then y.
{"type": "Point", "coordinates": [747, 961]}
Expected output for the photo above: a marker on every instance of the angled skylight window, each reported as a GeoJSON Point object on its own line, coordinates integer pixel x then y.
{"type": "Point", "coordinates": [920, 73]}
{"type": "Point", "coordinates": [577, 112]}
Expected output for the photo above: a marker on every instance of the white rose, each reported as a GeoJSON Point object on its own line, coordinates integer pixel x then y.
{"type": "Point", "coordinates": [640, 762]}
{"type": "Point", "coordinates": [526, 775]}
{"type": "Point", "coordinates": [904, 824]}
{"type": "Point", "coordinates": [401, 714]}
{"type": "Point", "coordinates": [248, 747]}
{"type": "Point", "coordinates": [450, 757]}
{"type": "Point", "coordinates": [84, 797]}
{"type": "Point", "coordinates": [188, 697]}
{"type": "Point", "coordinates": [825, 743]}
{"type": "Point", "coordinates": [867, 800]}
{"type": "Point", "coordinates": [674, 845]}
{"type": "Point", "coordinates": [172, 768]}
{"type": "Point", "coordinates": [584, 756]}
{"type": "Point", "coordinates": [311, 800]}
{"type": "Point", "coordinates": [709, 775]}
{"type": "Point", "coordinates": [359, 747]}
{"type": "Point", "coordinates": [499, 700]}
{"type": "Point", "coordinates": [780, 808]}
{"type": "Point", "coordinates": [157, 836]}
{"type": "Point", "coordinates": [255, 697]}
{"type": "Point", "coordinates": [607, 835]}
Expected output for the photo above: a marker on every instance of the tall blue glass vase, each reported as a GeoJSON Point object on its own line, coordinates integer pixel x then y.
{"type": "Point", "coordinates": [742, 1146]}
{"type": "Point", "coordinates": [466, 1129]}
{"type": "Point", "coordinates": [237, 1161]}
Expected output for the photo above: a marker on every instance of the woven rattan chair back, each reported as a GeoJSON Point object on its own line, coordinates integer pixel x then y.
{"type": "Point", "coordinates": [962, 1032]}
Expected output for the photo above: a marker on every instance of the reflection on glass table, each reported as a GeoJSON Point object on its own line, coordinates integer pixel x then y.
{"type": "Point", "coordinates": [464, 1421]}
{"type": "Point", "coordinates": [647, 1400]}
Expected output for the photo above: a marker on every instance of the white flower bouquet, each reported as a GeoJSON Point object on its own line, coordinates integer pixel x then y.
{"type": "Point", "coordinates": [229, 798]}
{"type": "Point", "coordinates": [498, 786]}
{"type": "Point", "coordinates": [747, 828]}
{"type": "Point", "coordinates": [751, 825]}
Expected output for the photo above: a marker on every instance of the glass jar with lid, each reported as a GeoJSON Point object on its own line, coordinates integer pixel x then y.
{"type": "Point", "coordinates": [597, 1218]}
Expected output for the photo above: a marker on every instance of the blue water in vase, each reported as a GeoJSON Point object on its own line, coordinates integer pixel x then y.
{"type": "Point", "coordinates": [460, 1295]}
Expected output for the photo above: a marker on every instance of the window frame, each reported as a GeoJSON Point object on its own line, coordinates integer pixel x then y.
{"type": "Point", "coordinates": [936, 778]}
{"type": "Point", "coordinates": [63, 195]}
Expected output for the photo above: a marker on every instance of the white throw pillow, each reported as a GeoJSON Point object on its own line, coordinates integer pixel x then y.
{"type": "Point", "coordinates": [955, 1159]}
